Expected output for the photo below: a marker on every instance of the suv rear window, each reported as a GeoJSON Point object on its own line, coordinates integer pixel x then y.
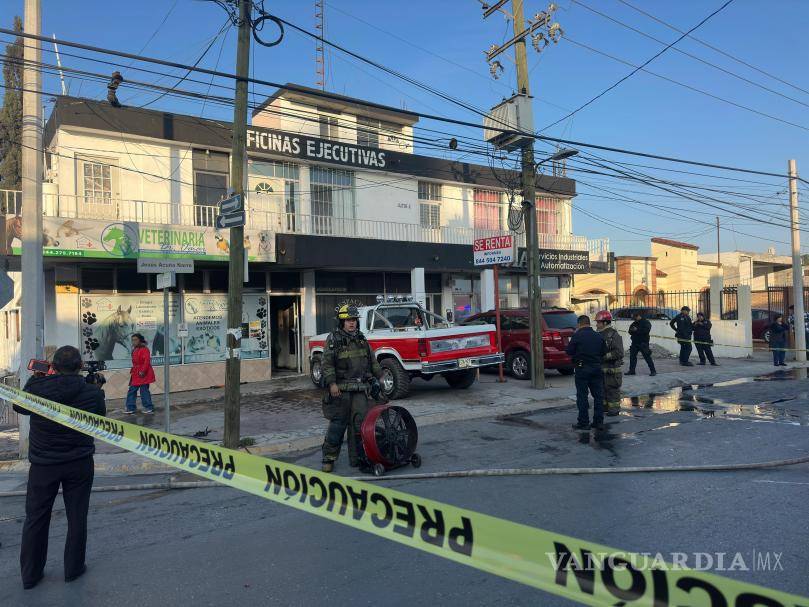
{"type": "Point", "coordinates": [561, 320]}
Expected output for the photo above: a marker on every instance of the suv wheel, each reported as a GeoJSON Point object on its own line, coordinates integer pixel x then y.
{"type": "Point", "coordinates": [316, 370]}
{"type": "Point", "coordinates": [395, 380]}
{"type": "Point", "coordinates": [518, 363]}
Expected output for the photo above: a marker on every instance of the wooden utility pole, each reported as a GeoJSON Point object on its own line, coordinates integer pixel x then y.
{"type": "Point", "coordinates": [718, 258]}
{"type": "Point", "coordinates": [236, 265]}
{"type": "Point", "coordinates": [529, 212]}
{"type": "Point", "coordinates": [33, 318]}
{"type": "Point", "coordinates": [797, 266]}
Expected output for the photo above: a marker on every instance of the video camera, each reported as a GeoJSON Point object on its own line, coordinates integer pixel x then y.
{"type": "Point", "coordinates": [92, 369]}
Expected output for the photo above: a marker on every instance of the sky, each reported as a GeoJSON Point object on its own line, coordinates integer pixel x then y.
{"type": "Point", "coordinates": [442, 43]}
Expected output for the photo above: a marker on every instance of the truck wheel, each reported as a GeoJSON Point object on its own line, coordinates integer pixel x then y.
{"type": "Point", "coordinates": [460, 380]}
{"type": "Point", "coordinates": [316, 370]}
{"type": "Point", "coordinates": [395, 380]}
{"type": "Point", "coordinates": [567, 370]}
{"type": "Point", "coordinates": [518, 364]}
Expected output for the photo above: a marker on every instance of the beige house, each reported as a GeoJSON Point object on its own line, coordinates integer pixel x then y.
{"type": "Point", "coordinates": [638, 280]}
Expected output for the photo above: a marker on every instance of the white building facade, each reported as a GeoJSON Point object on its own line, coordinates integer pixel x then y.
{"type": "Point", "coordinates": [339, 207]}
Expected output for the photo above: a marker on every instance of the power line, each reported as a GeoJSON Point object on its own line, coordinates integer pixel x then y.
{"type": "Point", "coordinates": [638, 68]}
{"type": "Point", "coordinates": [684, 85]}
{"type": "Point", "coordinates": [713, 48]}
{"type": "Point", "coordinates": [370, 104]}
{"type": "Point", "coordinates": [687, 54]}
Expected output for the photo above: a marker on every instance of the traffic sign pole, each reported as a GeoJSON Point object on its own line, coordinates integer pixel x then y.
{"type": "Point", "coordinates": [166, 351]}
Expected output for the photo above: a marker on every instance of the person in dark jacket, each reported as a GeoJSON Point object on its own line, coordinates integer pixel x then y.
{"type": "Point", "coordinates": [702, 339]}
{"type": "Point", "coordinates": [587, 348]}
{"type": "Point", "coordinates": [778, 340]}
{"type": "Point", "coordinates": [683, 329]}
{"type": "Point", "coordinates": [639, 332]}
{"type": "Point", "coordinates": [58, 456]}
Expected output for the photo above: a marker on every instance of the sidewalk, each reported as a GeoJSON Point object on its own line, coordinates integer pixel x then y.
{"type": "Point", "coordinates": [284, 415]}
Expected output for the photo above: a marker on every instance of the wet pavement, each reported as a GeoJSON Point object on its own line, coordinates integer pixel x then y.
{"type": "Point", "coordinates": [224, 544]}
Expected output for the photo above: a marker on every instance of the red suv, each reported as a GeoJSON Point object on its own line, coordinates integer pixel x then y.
{"type": "Point", "coordinates": [558, 326]}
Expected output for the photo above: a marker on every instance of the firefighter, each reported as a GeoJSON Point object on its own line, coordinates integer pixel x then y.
{"type": "Point", "coordinates": [612, 363]}
{"type": "Point", "coordinates": [350, 372]}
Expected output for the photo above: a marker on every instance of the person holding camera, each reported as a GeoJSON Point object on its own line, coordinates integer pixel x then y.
{"type": "Point", "coordinates": [140, 376]}
{"type": "Point", "coordinates": [59, 456]}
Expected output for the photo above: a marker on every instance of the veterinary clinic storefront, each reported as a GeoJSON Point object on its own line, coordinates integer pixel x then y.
{"type": "Point", "coordinates": [95, 299]}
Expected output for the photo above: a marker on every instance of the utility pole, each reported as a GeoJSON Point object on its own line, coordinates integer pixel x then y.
{"type": "Point", "coordinates": [530, 214]}
{"type": "Point", "coordinates": [33, 320]}
{"type": "Point", "coordinates": [542, 33]}
{"type": "Point", "coordinates": [237, 263]}
{"type": "Point", "coordinates": [718, 258]}
{"type": "Point", "coordinates": [797, 267]}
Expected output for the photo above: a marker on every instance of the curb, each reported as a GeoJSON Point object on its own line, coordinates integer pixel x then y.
{"type": "Point", "coordinates": [129, 464]}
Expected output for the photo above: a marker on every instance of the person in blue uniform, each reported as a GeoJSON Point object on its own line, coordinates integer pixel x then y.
{"type": "Point", "coordinates": [587, 348]}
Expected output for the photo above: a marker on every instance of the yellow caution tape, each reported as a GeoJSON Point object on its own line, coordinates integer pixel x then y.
{"type": "Point", "coordinates": [707, 343]}
{"type": "Point", "coordinates": [589, 573]}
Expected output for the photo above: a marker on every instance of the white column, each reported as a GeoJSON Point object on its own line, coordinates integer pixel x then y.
{"type": "Point", "coordinates": [745, 304]}
{"type": "Point", "coordinates": [308, 305]}
{"type": "Point", "coordinates": [487, 290]}
{"type": "Point", "coordinates": [417, 289]}
{"type": "Point", "coordinates": [716, 284]}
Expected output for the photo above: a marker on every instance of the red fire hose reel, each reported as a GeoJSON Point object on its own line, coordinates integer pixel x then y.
{"type": "Point", "coordinates": [389, 437]}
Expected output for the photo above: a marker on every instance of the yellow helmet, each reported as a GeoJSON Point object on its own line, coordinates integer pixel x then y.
{"type": "Point", "coordinates": [347, 311]}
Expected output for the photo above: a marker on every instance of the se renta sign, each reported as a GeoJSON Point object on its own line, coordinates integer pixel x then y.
{"type": "Point", "coordinates": [493, 250]}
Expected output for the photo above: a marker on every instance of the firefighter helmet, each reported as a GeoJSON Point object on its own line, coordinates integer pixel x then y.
{"type": "Point", "coordinates": [347, 311]}
{"type": "Point", "coordinates": [604, 316]}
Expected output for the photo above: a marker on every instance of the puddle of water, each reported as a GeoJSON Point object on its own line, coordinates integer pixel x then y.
{"type": "Point", "coordinates": [687, 398]}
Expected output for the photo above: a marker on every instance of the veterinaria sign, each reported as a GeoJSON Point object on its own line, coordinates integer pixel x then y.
{"type": "Point", "coordinates": [131, 240]}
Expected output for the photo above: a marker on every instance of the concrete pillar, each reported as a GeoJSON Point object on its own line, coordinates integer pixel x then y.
{"type": "Point", "coordinates": [305, 201]}
{"type": "Point", "coordinates": [487, 290]}
{"type": "Point", "coordinates": [745, 305]}
{"type": "Point", "coordinates": [308, 304]}
{"type": "Point", "coordinates": [417, 288]}
{"type": "Point", "coordinates": [49, 280]}
{"type": "Point", "coordinates": [716, 283]}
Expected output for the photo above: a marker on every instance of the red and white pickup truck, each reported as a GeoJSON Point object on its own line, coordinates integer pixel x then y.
{"type": "Point", "coordinates": [408, 341]}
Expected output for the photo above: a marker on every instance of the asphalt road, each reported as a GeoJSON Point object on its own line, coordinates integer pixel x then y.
{"type": "Point", "coordinates": [221, 547]}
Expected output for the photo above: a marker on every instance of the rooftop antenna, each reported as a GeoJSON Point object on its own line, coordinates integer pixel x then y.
{"type": "Point", "coordinates": [320, 55]}
{"type": "Point", "coordinates": [59, 64]}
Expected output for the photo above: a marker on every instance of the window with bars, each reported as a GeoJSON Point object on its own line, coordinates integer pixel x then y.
{"type": "Point", "coordinates": [488, 210]}
{"type": "Point", "coordinates": [430, 204]}
{"type": "Point", "coordinates": [97, 181]}
{"type": "Point", "coordinates": [332, 201]}
{"type": "Point", "coordinates": [275, 189]}
{"type": "Point", "coordinates": [549, 216]}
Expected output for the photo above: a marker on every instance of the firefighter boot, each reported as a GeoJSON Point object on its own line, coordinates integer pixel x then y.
{"type": "Point", "coordinates": [328, 465]}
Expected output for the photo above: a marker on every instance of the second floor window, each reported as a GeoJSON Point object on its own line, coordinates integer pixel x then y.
{"type": "Point", "coordinates": [332, 193]}
{"type": "Point", "coordinates": [488, 210]}
{"type": "Point", "coordinates": [210, 184]}
{"type": "Point", "coordinates": [97, 181]}
{"type": "Point", "coordinates": [549, 216]}
{"type": "Point", "coordinates": [430, 204]}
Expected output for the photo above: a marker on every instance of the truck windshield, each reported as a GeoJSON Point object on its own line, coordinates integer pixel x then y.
{"type": "Point", "coordinates": [560, 320]}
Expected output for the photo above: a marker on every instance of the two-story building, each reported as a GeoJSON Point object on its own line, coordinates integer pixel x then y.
{"type": "Point", "coordinates": [339, 207]}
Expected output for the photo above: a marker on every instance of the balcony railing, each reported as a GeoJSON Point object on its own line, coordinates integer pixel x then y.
{"type": "Point", "coordinates": [113, 209]}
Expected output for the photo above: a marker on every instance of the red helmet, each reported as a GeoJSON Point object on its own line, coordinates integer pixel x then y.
{"type": "Point", "coordinates": [604, 316]}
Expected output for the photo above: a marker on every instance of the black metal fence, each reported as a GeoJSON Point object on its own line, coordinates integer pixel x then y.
{"type": "Point", "coordinates": [729, 303]}
{"type": "Point", "coordinates": [663, 305]}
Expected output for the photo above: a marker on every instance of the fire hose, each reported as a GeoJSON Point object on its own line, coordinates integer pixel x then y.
{"type": "Point", "coordinates": [173, 484]}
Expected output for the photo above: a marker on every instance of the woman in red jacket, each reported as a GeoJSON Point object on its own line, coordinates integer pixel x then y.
{"type": "Point", "coordinates": [141, 375]}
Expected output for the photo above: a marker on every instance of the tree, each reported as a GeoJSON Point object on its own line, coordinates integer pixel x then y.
{"type": "Point", "coordinates": [11, 114]}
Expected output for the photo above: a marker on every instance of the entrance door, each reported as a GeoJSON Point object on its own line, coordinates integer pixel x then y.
{"type": "Point", "coordinates": [284, 332]}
